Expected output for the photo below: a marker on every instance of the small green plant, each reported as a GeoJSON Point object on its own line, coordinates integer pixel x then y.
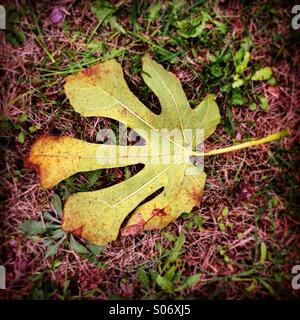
{"type": "Point", "coordinates": [54, 236]}
{"type": "Point", "coordinates": [193, 221]}
{"type": "Point", "coordinates": [168, 276]}
{"type": "Point", "coordinates": [105, 13]}
{"type": "Point", "coordinates": [241, 75]}
{"type": "Point", "coordinates": [13, 33]}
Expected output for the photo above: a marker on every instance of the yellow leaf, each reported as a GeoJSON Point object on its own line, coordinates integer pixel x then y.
{"type": "Point", "coordinates": [170, 141]}
{"type": "Point", "coordinates": [102, 91]}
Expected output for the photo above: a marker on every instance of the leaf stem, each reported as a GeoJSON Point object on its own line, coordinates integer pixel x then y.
{"type": "Point", "coordinates": [247, 144]}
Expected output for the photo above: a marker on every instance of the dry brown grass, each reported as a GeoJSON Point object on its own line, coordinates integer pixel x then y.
{"type": "Point", "coordinates": [261, 179]}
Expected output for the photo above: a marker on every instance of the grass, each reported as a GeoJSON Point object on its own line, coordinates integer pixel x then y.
{"type": "Point", "coordinates": [244, 239]}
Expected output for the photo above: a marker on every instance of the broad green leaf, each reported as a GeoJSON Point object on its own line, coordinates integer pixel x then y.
{"type": "Point", "coordinates": [216, 70]}
{"type": "Point", "coordinates": [21, 137]}
{"type": "Point", "coordinates": [154, 10]}
{"type": "Point", "coordinates": [177, 249]}
{"type": "Point", "coordinates": [102, 91]}
{"type": "Point", "coordinates": [264, 103]}
{"type": "Point", "coordinates": [189, 225]}
{"type": "Point", "coordinates": [198, 222]}
{"type": "Point", "coordinates": [77, 247]}
{"type": "Point", "coordinates": [49, 217]}
{"type": "Point", "coordinates": [22, 117]}
{"type": "Point", "coordinates": [104, 12]}
{"type": "Point", "coordinates": [262, 74]}
{"type": "Point", "coordinates": [193, 27]}
{"type": "Point", "coordinates": [58, 234]}
{"type": "Point", "coordinates": [247, 43]}
{"type": "Point", "coordinates": [143, 278]}
{"type": "Point", "coordinates": [95, 249]}
{"type": "Point", "coordinates": [225, 212]}
{"type": "Point", "coordinates": [165, 284]}
{"type": "Point", "coordinates": [170, 274]}
{"type": "Point", "coordinates": [252, 106]}
{"type": "Point", "coordinates": [169, 236]}
{"type": "Point", "coordinates": [238, 57]}
{"type": "Point", "coordinates": [242, 59]}
{"type": "Point", "coordinates": [190, 281]}
{"type": "Point", "coordinates": [33, 227]}
{"type": "Point", "coordinates": [272, 81]}
{"type": "Point", "coordinates": [93, 178]}
{"type": "Point", "coordinates": [221, 26]}
{"type": "Point", "coordinates": [237, 83]}
{"type": "Point", "coordinates": [222, 227]}
{"type": "Point", "coordinates": [57, 205]}
{"type": "Point", "coordinates": [263, 253]}
{"type": "Point", "coordinates": [51, 249]}
{"type": "Point", "coordinates": [237, 98]}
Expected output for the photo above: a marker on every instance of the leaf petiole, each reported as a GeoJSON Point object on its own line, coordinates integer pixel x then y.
{"type": "Point", "coordinates": [247, 144]}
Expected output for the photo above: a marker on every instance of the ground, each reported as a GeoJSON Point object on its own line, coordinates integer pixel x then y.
{"type": "Point", "coordinates": [243, 240]}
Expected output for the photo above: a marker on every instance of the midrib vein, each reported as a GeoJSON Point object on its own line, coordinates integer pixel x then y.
{"type": "Point", "coordinates": [144, 185]}
{"type": "Point", "coordinates": [176, 105]}
{"type": "Point", "coordinates": [140, 118]}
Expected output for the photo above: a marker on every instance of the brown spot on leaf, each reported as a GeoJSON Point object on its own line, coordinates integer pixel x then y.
{"type": "Point", "coordinates": [78, 231]}
{"type": "Point", "coordinates": [124, 112]}
{"type": "Point", "coordinates": [94, 73]}
{"type": "Point", "coordinates": [134, 229]}
{"type": "Point", "coordinates": [90, 71]}
{"type": "Point", "coordinates": [32, 161]}
{"type": "Point", "coordinates": [196, 195]}
{"type": "Point", "coordinates": [29, 164]}
{"type": "Point", "coordinates": [158, 212]}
